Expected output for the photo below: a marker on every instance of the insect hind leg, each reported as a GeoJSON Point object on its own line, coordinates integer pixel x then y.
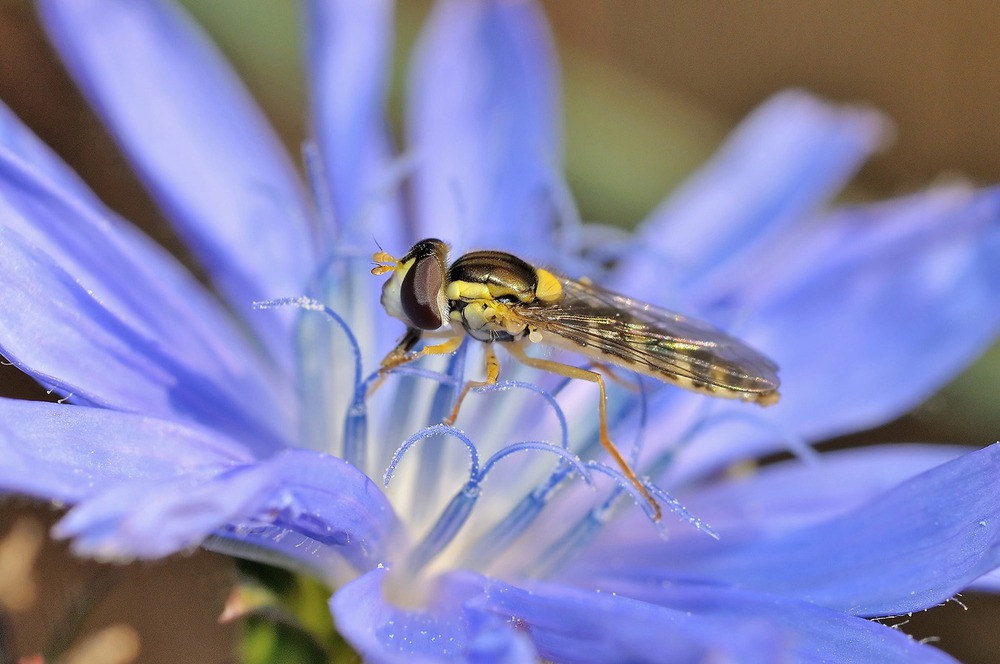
{"type": "Point", "coordinates": [492, 375]}
{"type": "Point", "coordinates": [570, 371]}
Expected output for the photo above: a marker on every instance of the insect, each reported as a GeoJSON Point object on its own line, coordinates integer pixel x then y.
{"type": "Point", "coordinates": [494, 296]}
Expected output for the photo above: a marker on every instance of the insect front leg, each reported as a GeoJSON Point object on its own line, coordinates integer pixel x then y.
{"type": "Point", "coordinates": [570, 371]}
{"type": "Point", "coordinates": [492, 375]}
{"type": "Point", "coordinates": [402, 354]}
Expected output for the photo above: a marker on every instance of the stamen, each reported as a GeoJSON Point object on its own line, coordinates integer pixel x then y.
{"type": "Point", "coordinates": [796, 445]}
{"type": "Point", "coordinates": [454, 516]}
{"type": "Point", "coordinates": [580, 535]}
{"type": "Point", "coordinates": [506, 385]}
{"type": "Point", "coordinates": [430, 461]}
{"type": "Point", "coordinates": [488, 547]}
{"type": "Point", "coordinates": [457, 512]}
{"type": "Point", "coordinates": [356, 420]}
{"type": "Point", "coordinates": [524, 513]}
{"type": "Point", "coordinates": [675, 506]}
{"type": "Point", "coordinates": [318, 184]}
{"type": "Point", "coordinates": [541, 446]}
{"type": "Point", "coordinates": [430, 432]}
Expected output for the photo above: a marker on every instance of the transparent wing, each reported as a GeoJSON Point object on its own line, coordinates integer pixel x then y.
{"type": "Point", "coordinates": [610, 327]}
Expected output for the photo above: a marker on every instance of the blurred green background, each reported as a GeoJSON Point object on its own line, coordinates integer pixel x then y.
{"type": "Point", "coordinates": [650, 88]}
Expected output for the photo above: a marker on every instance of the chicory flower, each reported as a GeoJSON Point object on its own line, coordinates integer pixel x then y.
{"type": "Point", "coordinates": [195, 417]}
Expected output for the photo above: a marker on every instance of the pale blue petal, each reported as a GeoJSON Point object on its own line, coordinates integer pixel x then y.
{"type": "Point", "coordinates": [59, 333]}
{"type": "Point", "coordinates": [349, 44]}
{"type": "Point", "coordinates": [383, 632]}
{"type": "Point", "coordinates": [786, 159]}
{"type": "Point", "coordinates": [564, 624]}
{"type": "Point", "coordinates": [198, 143]}
{"type": "Point", "coordinates": [18, 140]}
{"type": "Point", "coordinates": [901, 298]}
{"type": "Point", "coordinates": [130, 275]}
{"type": "Point", "coordinates": [66, 453]}
{"type": "Point", "coordinates": [989, 583]}
{"type": "Point", "coordinates": [759, 504]}
{"type": "Point", "coordinates": [812, 633]}
{"type": "Point", "coordinates": [320, 497]}
{"type": "Point", "coordinates": [874, 311]}
{"type": "Point", "coordinates": [884, 557]}
{"type": "Point", "coordinates": [483, 124]}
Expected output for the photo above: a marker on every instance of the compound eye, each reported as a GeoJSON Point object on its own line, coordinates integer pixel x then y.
{"type": "Point", "coordinates": [421, 293]}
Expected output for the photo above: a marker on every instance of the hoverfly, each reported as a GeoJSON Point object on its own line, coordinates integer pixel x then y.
{"type": "Point", "coordinates": [494, 296]}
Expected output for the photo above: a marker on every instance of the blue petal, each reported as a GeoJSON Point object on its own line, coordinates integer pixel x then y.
{"type": "Point", "coordinates": [836, 484]}
{"type": "Point", "coordinates": [483, 123]}
{"type": "Point", "coordinates": [18, 140]}
{"type": "Point", "coordinates": [905, 550]}
{"type": "Point", "coordinates": [914, 289]}
{"type": "Point", "coordinates": [55, 330]}
{"type": "Point", "coordinates": [198, 142]}
{"type": "Point", "coordinates": [67, 453]}
{"type": "Point", "coordinates": [320, 498]}
{"type": "Point", "coordinates": [811, 633]}
{"type": "Point", "coordinates": [787, 158]}
{"type": "Point", "coordinates": [383, 632]}
{"type": "Point", "coordinates": [349, 46]}
{"type": "Point", "coordinates": [872, 313]}
{"type": "Point", "coordinates": [132, 276]}
{"type": "Point", "coordinates": [569, 624]}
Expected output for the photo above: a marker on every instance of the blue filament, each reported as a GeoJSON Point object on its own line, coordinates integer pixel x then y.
{"type": "Point", "coordinates": [505, 385]}
{"type": "Point", "coordinates": [457, 512]}
{"type": "Point", "coordinates": [568, 458]}
{"type": "Point", "coordinates": [430, 432]}
{"type": "Point", "coordinates": [524, 513]}
{"type": "Point", "coordinates": [356, 421]}
{"type": "Point", "coordinates": [580, 535]}
{"type": "Point", "coordinates": [430, 461]}
{"type": "Point", "coordinates": [512, 526]}
{"type": "Point", "coordinates": [318, 185]}
{"type": "Point", "coordinates": [454, 516]}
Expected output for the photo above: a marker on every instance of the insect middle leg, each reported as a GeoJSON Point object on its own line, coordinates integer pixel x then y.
{"type": "Point", "coordinates": [492, 374]}
{"type": "Point", "coordinates": [569, 371]}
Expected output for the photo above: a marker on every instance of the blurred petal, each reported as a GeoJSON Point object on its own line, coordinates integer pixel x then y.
{"type": "Point", "coordinates": [876, 310]}
{"type": "Point", "coordinates": [67, 453]}
{"type": "Point", "coordinates": [787, 158]}
{"type": "Point", "coordinates": [483, 123]}
{"type": "Point", "coordinates": [838, 483]}
{"type": "Point", "coordinates": [60, 334]}
{"type": "Point", "coordinates": [321, 497]}
{"type": "Point", "coordinates": [881, 558]}
{"type": "Point", "coordinates": [988, 583]}
{"type": "Point", "coordinates": [198, 142]}
{"type": "Point", "coordinates": [129, 274]}
{"type": "Point", "coordinates": [915, 285]}
{"type": "Point", "coordinates": [18, 140]}
{"type": "Point", "coordinates": [349, 45]}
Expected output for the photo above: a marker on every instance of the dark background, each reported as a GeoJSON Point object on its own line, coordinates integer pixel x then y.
{"type": "Point", "coordinates": [650, 89]}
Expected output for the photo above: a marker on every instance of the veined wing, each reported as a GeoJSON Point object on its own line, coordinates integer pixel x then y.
{"type": "Point", "coordinates": [613, 328]}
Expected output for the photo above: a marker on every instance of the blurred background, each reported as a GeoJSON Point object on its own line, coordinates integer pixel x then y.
{"type": "Point", "coordinates": [650, 89]}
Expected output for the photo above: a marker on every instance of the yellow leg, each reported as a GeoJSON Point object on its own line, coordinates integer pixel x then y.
{"type": "Point", "coordinates": [398, 356]}
{"type": "Point", "coordinates": [492, 374]}
{"type": "Point", "coordinates": [569, 371]}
